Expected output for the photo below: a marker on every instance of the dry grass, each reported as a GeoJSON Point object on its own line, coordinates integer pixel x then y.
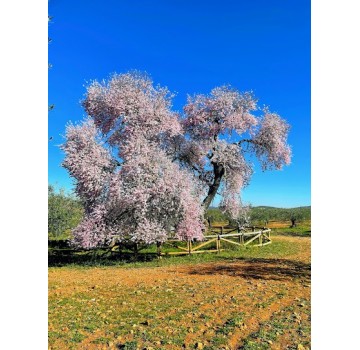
{"type": "Point", "coordinates": [250, 301]}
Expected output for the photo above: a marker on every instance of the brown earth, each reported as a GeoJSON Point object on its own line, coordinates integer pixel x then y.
{"type": "Point", "coordinates": [235, 304]}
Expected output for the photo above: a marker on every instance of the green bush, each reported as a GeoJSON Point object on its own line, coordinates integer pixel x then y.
{"type": "Point", "coordinates": [64, 213]}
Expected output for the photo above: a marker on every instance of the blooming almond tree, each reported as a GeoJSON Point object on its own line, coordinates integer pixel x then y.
{"type": "Point", "coordinates": [142, 169]}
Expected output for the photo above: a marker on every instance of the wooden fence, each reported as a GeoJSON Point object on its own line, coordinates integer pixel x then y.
{"type": "Point", "coordinates": [219, 234]}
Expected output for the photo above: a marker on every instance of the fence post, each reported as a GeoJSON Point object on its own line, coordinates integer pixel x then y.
{"type": "Point", "coordinates": [239, 237]}
{"type": "Point", "coordinates": [218, 244]}
{"type": "Point", "coordinates": [219, 237]}
{"type": "Point", "coordinates": [189, 246]}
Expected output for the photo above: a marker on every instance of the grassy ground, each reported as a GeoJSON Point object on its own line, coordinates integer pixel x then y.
{"type": "Point", "coordinates": [253, 298]}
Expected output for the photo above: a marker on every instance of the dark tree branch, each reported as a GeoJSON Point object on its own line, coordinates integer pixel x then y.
{"type": "Point", "coordinates": [246, 140]}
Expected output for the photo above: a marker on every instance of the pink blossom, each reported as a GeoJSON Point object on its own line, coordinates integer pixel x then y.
{"type": "Point", "coordinates": [270, 142]}
{"type": "Point", "coordinates": [87, 161]}
{"type": "Point", "coordinates": [142, 169]}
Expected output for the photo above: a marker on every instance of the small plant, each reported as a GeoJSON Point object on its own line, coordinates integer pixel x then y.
{"type": "Point", "coordinates": [231, 324]}
{"type": "Point", "coordinates": [129, 345]}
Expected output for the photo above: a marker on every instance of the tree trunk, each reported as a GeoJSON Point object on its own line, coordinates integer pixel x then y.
{"type": "Point", "coordinates": [158, 249]}
{"type": "Point", "coordinates": [293, 223]}
{"type": "Point", "coordinates": [218, 174]}
{"type": "Point", "coordinates": [136, 251]}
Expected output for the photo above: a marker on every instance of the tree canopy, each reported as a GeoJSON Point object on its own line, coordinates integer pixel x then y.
{"type": "Point", "coordinates": [142, 169]}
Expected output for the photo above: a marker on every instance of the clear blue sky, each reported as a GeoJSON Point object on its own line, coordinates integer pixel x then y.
{"type": "Point", "coordinates": [191, 47]}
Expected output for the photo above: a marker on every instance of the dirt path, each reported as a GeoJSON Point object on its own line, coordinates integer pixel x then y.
{"type": "Point", "coordinates": [248, 304]}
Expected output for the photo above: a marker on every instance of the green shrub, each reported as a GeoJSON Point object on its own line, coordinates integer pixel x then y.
{"type": "Point", "coordinates": [64, 213]}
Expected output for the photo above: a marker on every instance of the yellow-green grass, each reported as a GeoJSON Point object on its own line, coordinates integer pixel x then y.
{"type": "Point", "coordinates": [249, 298]}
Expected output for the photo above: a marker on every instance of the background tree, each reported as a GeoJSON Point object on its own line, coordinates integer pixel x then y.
{"type": "Point", "coordinates": [215, 215]}
{"type": "Point", "coordinates": [263, 214]}
{"type": "Point", "coordinates": [64, 212]}
{"type": "Point", "coordinates": [295, 216]}
{"type": "Point", "coordinates": [141, 168]}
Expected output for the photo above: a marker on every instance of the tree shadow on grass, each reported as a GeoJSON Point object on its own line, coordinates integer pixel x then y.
{"type": "Point", "coordinates": [64, 257]}
{"type": "Point", "coordinates": [258, 269]}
